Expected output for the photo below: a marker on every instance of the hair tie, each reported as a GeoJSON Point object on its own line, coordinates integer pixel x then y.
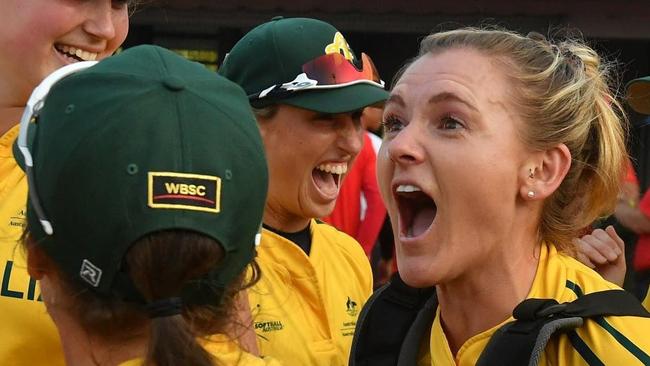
{"type": "Point", "coordinates": [165, 307]}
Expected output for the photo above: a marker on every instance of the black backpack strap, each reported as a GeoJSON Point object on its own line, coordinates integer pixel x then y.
{"type": "Point", "coordinates": [384, 322]}
{"type": "Point", "coordinates": [420, 327]}
{"type": "Point", "coordinates": [522, 342]}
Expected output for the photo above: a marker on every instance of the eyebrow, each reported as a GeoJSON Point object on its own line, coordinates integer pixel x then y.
{"type": "Point", "coordinates": [446, 96]}
{"type": "Point", "coordinates": [395, 98]}
{"type": "Point", "coordinates": [441, 97]}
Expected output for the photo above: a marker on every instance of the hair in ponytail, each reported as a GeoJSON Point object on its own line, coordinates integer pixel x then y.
{"type": "Point", "coordinates": [160, 265]}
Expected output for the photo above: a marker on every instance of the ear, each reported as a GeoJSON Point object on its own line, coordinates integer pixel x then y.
{"type": "Point", "coordinates": [544, 173]}
{"type": "Point", "coordinates": [37, 262]}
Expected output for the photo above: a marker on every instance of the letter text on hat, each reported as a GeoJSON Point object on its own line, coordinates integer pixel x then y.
{"type": "Point", "coordinates": [184, 191]}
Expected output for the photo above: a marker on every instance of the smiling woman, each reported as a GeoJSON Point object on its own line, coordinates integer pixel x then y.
{"type": "Point", "coordinates": [499, 149]}
{"type": "Point", "coordinates": [36, 38]}
{"type": "Point", "coordinates": [307, 92]}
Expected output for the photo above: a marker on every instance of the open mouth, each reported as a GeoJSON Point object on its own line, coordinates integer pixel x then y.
{"type": "Point", "coordinates": [74, 53]}
{"type": "Point", "coordinates": [416, 210]}
{"type": "Point", "coordinates": [327, 178]}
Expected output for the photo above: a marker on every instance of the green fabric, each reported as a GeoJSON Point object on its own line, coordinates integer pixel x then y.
{"type": "Point", "coordinates": [273, 54]}
{"type": "Point", "coordinates": [108, 147]}
{"type": "Point", "coordinates": [638, 95]}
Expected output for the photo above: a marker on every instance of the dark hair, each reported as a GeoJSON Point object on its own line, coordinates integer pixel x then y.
{"type": "Point", "coordinates": [160, 265]}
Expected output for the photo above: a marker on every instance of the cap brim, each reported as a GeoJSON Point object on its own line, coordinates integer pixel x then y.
{"type": "Point", "coordinates": [18, 155]}
{"type": "Point", "coordinates": [638, 95]}
{"type": "Point", "coordinates": [341, 100]}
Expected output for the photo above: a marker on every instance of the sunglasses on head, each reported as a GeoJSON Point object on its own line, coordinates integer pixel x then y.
{"type": "Point", "coordinates": [30, 114]}
{"type": "Point", "coordinates": [326, 72]}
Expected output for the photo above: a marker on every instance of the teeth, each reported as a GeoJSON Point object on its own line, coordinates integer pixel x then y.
{"type": "Point", "coordinates": [84, 55]}
{"type": "Point", "coordinates": [407, 188]}
{"type": "Point", "coordinates": [334, 168]}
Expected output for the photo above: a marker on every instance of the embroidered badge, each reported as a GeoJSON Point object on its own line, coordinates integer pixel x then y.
{"type": "Point", "coordinates": [351, 307]}
{"type": "Point", "coordinates": [340, 45]}
{"type": "Point", "coordinates": [184, 191]}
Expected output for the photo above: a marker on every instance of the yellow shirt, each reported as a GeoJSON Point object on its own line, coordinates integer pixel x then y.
{"type": "Point", "coordinates": [27, 335]}
{"type": "Point", "coordinates": [646, 302]}
{"type": "Point", "coordinates": [225, 352]}
{"type": "Point", "coordinates": [304, 307]}
{"type": "Point", "coordinates": [600, 341]}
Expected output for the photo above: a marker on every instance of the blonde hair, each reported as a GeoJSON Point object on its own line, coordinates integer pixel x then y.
{"type": "Point", "coordinates": [562, 91]}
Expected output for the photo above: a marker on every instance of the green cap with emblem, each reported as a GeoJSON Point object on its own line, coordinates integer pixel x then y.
{"type": "Point", "coordinates": [145, 141]}
{"type": "Point", "coordinates": [303, 62]}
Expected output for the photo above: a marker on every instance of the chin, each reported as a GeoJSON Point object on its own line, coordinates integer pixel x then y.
{"type": "Point", "coordinates": [416, 275]}
{"type": "Point", "coordinates": [318, 211]}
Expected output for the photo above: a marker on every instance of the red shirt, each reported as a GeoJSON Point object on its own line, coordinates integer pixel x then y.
{"type": "Point", "coordinates": [641, 260]}
{"type": "Point", "coordinates": [347, 212]}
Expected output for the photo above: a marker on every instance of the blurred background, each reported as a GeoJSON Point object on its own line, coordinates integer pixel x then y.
{"type": "Point", "coordinates": [389, 31]}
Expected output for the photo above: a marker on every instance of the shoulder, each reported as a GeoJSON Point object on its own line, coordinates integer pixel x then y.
{"type": "Point", "coordinates": [580, 279]}
{"type": "Point", "coordinates": [338, 241]}
{"type": "Point", "coordinates": [605, 339]}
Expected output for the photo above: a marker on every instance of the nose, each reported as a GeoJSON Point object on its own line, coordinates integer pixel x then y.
{"type": "Point", "coordinates": [350, 135]}
{"type": "Point", "coordinates": [100, 21]}
{"type": "Point", "coordinates": [404, 147]}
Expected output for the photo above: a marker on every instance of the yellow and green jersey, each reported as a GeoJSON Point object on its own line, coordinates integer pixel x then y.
{"type": "Point", "coordinates": [28, 335]}
{"type": "Point", "coordinates": [226, 353]}
{"type": "Point", "coordinates": [646, 302]}
{"type": "Point", "coordinates": [305, 308]}
{"type": "Point", "coordinates": [600, 341]}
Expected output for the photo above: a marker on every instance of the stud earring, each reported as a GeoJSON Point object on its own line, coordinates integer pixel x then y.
{"type": "Point", "coordinates": [531, 194]}
{"type": "Point", "coordinates": [532, 173]}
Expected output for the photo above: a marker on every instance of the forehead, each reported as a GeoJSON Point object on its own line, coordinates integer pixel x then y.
{"type": "Point", "coordinates": [466, 72]}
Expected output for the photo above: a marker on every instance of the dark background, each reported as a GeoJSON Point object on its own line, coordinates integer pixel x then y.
{"type": "Point", "coordinates": [389, 31]}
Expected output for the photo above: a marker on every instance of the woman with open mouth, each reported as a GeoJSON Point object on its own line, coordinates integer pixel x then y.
{"type": "Point", "coordinates": [307, 89]}
{"type": "Point", "coordinates": [498, 149]}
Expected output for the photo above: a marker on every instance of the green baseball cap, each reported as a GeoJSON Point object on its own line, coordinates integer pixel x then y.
{"type": "Point", "coordinates": [142, 142]}
{"type": "Point", "coordinates": [638, 95]}
{"type": "Point", "coordinates": [303, 62]}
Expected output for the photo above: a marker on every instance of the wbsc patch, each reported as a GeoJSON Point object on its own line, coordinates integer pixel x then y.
{"type": "Point", "coordinates": [184, 191]}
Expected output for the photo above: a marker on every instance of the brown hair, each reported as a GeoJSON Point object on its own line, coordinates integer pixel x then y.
{"type": "Point", "coordinates": [160, 265]}
{"type": "Point", "coordinates": [562, 90]}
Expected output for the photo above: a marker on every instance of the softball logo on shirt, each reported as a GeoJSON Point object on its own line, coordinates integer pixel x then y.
{"type": "Point", "coordinates": [184, 191]}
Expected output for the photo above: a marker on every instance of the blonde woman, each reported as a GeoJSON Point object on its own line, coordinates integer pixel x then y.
{"type": "Point", "coordinates": [498, 149]}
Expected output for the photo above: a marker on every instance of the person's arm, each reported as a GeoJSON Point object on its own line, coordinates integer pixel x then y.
{"type": "Point", "coordinates": [634, 214]}
{"type": "Point", "coordinates": [376, 212]}
{"type": "Point", "coordinates": [603, 251]}
{"type": "Point", "coordinates": [632, 218]}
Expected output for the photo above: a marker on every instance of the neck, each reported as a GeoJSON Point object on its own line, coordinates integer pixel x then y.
{"type": "Point", "coordinates": [83, 349]}
{"type": "Point", "coordinates": [9, 117]}
{"type": "Point", "coordinates": [487, 295]}
{"type": "Point", "coordinates": [12, 103]}
{"type": "Point", "coordinates": [282, 220]}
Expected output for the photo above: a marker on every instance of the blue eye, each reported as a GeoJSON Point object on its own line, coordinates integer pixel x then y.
{"type": "Point", "coordinates": [391, 123]}
{"type": "Point", "coordinates": [451, 123]}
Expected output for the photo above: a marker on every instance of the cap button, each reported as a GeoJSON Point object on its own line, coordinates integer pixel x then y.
{"type": "Point", "coordinates": [277, 17]}
{"type": "Point", "coordinates": [173, 83]}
